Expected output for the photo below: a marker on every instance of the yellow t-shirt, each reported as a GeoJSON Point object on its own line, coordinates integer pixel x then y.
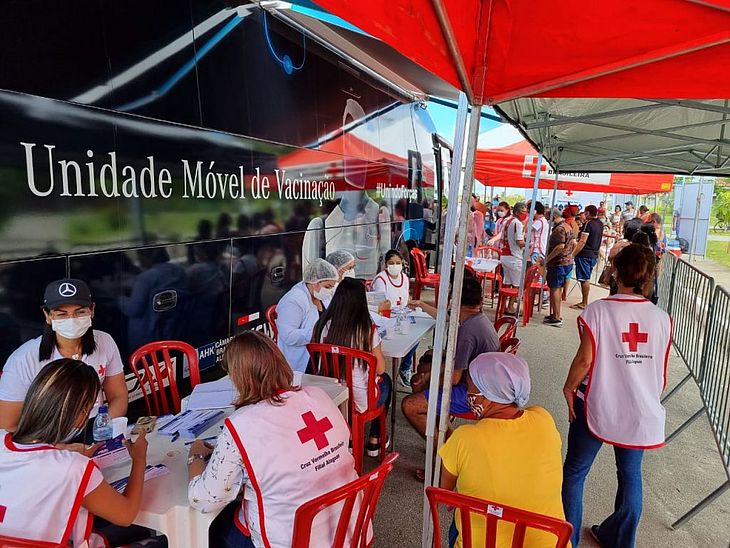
{"type": "Point", "coordinates": [513, 462]}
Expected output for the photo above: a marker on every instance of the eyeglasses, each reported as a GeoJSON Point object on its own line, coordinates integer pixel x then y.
{"type": "Point", "coordinates": [63, 315]}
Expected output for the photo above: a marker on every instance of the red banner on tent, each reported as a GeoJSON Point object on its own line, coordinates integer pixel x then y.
{"type": "Point", "coordinates": [506, 159]}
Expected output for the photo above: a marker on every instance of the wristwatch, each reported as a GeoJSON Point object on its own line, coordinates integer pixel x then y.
{"type": "Point", "coordinates": [193, 458]}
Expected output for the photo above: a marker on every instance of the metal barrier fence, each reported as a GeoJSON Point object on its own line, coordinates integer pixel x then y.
{"type": "Point", "coordinates": [664, 283]}
{"type": "Point", "coordinates": [690, 298]}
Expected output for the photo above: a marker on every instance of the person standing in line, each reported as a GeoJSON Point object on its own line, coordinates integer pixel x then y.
{"type": "Point", "coordinates": [559, 263]}
{"type": "Point", "coordinates": [513, 241]}
{"type": "Point", "coordinates": [539, 234]}
{"type": "Point", "coordinates": [616, 218]}
{"type": "Point", "coordinates": [628, 214]}
{"type": "Point", "coordinates": [586, 254]}
{"type": "Point", "coordinates": [613, 392]}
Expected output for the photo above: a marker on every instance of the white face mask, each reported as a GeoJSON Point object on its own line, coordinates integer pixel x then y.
{"type": "Point", "coordinates": [349, 273]}
{"type": "Point", "coordinates": [501, 213]}
{"type": "Point", "coordinates": [71, 328]}
{"type": "Point", "coordinates": [395, 269]}
{"type": "Point", "coordinates": [324, 293]}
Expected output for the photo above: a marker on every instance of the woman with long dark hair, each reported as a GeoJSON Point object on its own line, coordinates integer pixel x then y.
{"type": "Point", "coordinates": [613, 391]}
{"type": "Point", "coordinates": [52, 480]}
{"type": "Point", "coordinates": [272, 450]}
{"type": "Point", "coordinates": [346, 322]}
{"type": "Point", "coordinates": [68, 309]}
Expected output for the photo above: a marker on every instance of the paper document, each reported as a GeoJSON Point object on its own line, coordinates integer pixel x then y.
{"type": "Point", "coordinates": [150, 471]}
{"type": "Point", "coordinates": [375, 298]}
{"type": "Point", "coordinates": [191, 423]}
{"type": "Point", "coordinates": [213, 395]}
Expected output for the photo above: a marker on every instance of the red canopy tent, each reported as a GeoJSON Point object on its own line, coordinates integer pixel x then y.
{"type": "Point", "coordinates": [505, 158]}
{"type": "Point", "coordinates": [490, 48]}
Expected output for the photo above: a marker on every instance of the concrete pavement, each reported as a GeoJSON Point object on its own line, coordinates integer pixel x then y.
{"type": "Point", "coordinates": [675, 477]}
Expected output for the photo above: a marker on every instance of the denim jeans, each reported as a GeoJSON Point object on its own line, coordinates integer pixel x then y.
{"type": "Point", "coordinates": [406, 363]}
{"type": "Point", "coordinates": [618, 529]}
{"type": "Point", "coordinates": [386, 389]}
{"type": "Point", "coordinates": [223, 532]}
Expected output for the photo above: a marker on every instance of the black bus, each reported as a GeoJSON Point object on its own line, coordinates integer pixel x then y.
{"type": "Point", "coordinates": [187, 159]}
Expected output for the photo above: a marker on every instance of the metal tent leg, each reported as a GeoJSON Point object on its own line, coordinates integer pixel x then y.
{"type": "Point", "coordinates": [685, 424]}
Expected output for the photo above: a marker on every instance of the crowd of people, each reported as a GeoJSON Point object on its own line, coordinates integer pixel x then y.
{"type": "Point", "coordinates": [52, 386]}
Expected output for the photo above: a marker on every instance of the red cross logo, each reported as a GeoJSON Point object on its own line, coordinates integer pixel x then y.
{"type": "Point", "coordinates": [314, 430]}
{"type": "Point", "coordinates": [102, 370]}
{"type": "Point", "coordinates": [569, 193]}
{"type": "Point", "coordinates": [634, 337]}
{"type": "Point", "coordinates": [529, 166]}
{"type": "Point", "coordinates": [3, 509]}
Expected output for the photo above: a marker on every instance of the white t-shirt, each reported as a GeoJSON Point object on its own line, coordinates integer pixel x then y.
{"type": "Point", "coordinates": [396, 293]}
{"type": "Point", "coordinates": [515, 233]}
{"type": "Point", "coordinates": [359, 374]}
{"type": "Point", "coordinates": [23, 365]}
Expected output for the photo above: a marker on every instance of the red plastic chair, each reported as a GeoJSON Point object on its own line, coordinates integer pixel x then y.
{"type": "Point", "coordinates": [13, 542]}
{"type": "Point", "coordinates": [367, 488]}
{"type": "Point", "coordinates": [493, 513]}
{"type": "Point", "coordinates": [423, 277]}
{"type": "Point", "coordinates": [157, 366]}
{"type": "Point", "coordinates": [271, 317]}
{"type": "Point", "coordinates": [329, 360]}
{"type": "Point", "coordinates": [495, 278]}
{"type": "Point", "coordinates": [512, 292]}
{"type": "Point", "coordinates": [510, 345]}
{"type": "Point", "coordinates": [510, 330]}
{"type": "Point", "coordinates": [533, 288]}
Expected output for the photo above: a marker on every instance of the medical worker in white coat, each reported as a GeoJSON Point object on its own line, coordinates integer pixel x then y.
{"type": "Point", "coordinates": [300, 309]}
{"type": "Point", "coordinates": [614, 392]}
{"type": "Point", "coordinates": [282, 447]}
{"type": "Point", "coordinates": [48, 492]}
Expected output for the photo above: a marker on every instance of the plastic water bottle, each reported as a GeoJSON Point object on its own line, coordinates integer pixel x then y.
{"type": "Point", "coordinates": [103, 429]}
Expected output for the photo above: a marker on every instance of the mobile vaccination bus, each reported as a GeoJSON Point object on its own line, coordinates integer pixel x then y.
{"type": "Point", "coordinates": [187, 160]}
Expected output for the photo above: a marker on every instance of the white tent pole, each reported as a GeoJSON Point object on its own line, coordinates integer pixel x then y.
{"type": "Point", "coordinates": [552, 204]}
{"type": "Point", "coordinates": [526, 249]}
{"type": "Point", "coordinates": [471, 148]}
{"type": "Point", "coordinates": [440, 329]}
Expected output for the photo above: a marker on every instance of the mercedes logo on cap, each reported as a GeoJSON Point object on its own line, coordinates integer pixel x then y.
{"type": "Point", "coordinates": [67, 289]}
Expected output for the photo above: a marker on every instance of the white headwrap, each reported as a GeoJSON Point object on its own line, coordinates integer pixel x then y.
{"type": "Point", "coordinates": [501, 378]}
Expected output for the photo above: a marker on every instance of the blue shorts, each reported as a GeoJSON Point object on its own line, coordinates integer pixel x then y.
{"type": "Point", "coordinates": [556, 275]}
{"type": "Point", "coordinates": [458, 399]}
{"type": "Point", "coordinates": [584, 267]}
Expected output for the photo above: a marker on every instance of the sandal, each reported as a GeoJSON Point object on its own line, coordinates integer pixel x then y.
{"type": "Point", "coordinates": [577, 306]}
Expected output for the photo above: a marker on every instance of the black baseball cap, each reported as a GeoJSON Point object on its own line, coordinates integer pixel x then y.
{"type": "Point", "coordinates": [629, 203]}
{"type": "Point", "coordinates": [67, 291]}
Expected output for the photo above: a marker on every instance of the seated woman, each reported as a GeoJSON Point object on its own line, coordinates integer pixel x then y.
{"type": "Point", "coordinates": [270, 449]}
{"type": "Point", "coordinates": [344, 262]}
{"type": "Point", "coordinates": [300, 309]}
{"type": "Point", "coordinates": [52, 479]}
{"type": "Point", "coordinates": [495, 458]}
{"type": "Point", "coordinates": [347, 323]}
{"type": "Point", "coordinates": [396, 287]}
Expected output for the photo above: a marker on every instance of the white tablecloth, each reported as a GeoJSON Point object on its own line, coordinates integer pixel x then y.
{"type": "Point", "coordinates": [165, 499]}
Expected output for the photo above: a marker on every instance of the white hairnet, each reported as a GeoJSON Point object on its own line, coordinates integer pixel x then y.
{"type": "Point", "coordinates": [501, 377]}
{"type": "Point", "coordinates": [320, 270]}
{"type": "Point", "coordinates": [339, 258]}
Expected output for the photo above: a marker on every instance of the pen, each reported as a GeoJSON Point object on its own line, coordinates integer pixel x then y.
{"type": "Point", "coordinates": [175, 436]}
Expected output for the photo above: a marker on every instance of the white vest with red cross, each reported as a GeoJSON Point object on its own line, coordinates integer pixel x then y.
{"type": "Point", "coordinates": [631, 339]}
{"type": "Point", "coordinates": [41, 490]}
{"type": "Point", "coordinates": [505, 248]}
{"type": "Point", "coordinates": [292, 453]}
